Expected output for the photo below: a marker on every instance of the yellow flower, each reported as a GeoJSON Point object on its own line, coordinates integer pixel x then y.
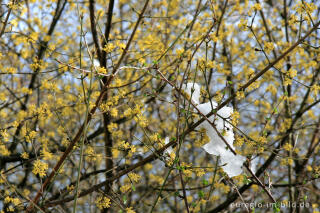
{"type": "Point", "coordinates": [47, 155]}
{"type": "Point", "coordinates": [26, 90]}
{"type": "Point", "coordinates": [292, 73]}
{"type": "Point", "coordinates": [235, 118]}
{"type": "Point", "coordinates": [257, 6]}
{"type": "Point", "coordinates": [128, 112]}
{"type": "Point", "coordinates": [7, 199]}
{"type": "Point", "coordinates": [3, 96]}
{"type": "Point", "coordinates": [112, 127]}
{"type": "Point", "coordinates": [108, 47]}
{"type": "Point", "coordinates": [135, 177]}
{"type": "Point", "coordinates": [15, 201]}
{"type": "Point", "coordinates": [179, 51]}
{"type": "Point", "coordinates": [309, 168]}
{"type": "Point", "coordinates": [189, 199]}
{"type": "Point", "coordinates": [25, 155]}
{"type": "Point", "coordinates": [102, 70]}
{"type": "Point", "coordinates": [200, 172]}
{"type": "Point", "coordinates": [268, 47]}
{"type": "Point", "coordinates": [255, 188]}
{"type": "Point", "coordinates": [240, 95]}
{"type": "Point", "coordinates": [287, 147]}
{"type": "Point", "coordinates": [187, 172]}
{"type": "Point", "coordinates": [40, 168]}
{"type": "Point", "coordinates": [10, 70]}
{"type": "Point", "coordinates": [5, 135]}
{"type": "Point", "coordinates": [132, 150]}
{"type": "Point", "coordinates": [70, 188]}
{"type": "Point", "coordinates": [141, 120]}
{"type": "Point", "coordinates": [4, 151]}
{"type": "Point", "coordinates": [130, 210]}
{"type": "Point", "coordinates": [125, 188]}
{"type": "Point", "coordinates": [243, 24]}
{"type": "Point", "coordinates": [31, 136]}
{"type": "Point", "coordinates": [315, 88]}
{"type": "Point", "coordinates": [290, 161]}
{"type": "Point", "coordinates": [103, 202]}
{"type": "Point", "coordinates": [114, 112]}
{"type": "Point", "coordinates": [124, 145]}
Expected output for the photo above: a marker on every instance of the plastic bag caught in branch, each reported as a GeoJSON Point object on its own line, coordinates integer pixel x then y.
{"type": "Point", "coordinates": [193, 90]}
{"type": "Point", "coordinates": [232, 164]}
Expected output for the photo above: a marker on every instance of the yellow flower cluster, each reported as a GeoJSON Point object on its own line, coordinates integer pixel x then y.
{"type": "Point", "coordinates": [141, 120]}
{"type": "Point", "coordinates": [239, 141]}
{"type": "Point", "coordinates": [3, 150]}
{"type": "Point", "coordinates": [39, 168]}
{"type": "Point", "coordinates": [32, 135]}
{"type": "Point", "coordinates": [108, 47]}
{"type": "Point", "coordinates": [200, 172]}
{"type": "Point", "coordinates": [203, 139]}
{"type": "Point", "coordinates": [25, 155]}
{"type": "Point", "coordinates": [187, 171]}
{"type": "Point", "coordinates": [221, 186]}
{"type": "Point", "coordinates": [235, 118]}
{"type": "Point", "coordinates": [70, 188]}
{"type": "Point", "coordinates": [46, 154]}
{"type": "Point", "coordinates": [287, 146]}
{"type": "Point", "coordinates": [113, 112]}
{"type": "Point", "coordinates": [102, 70]}
{"type": "Point", "coordinates": [15, 201]}
{"type": "Point", "coordinates": [16, 204]}
{"type": "Point", "coordinates": [315, 89]}
{"type": "Point", "coordinates": [112, 127]}
{"type": "Point", "coordinates": [130, 210]}
{"type": "Point", "coordinates": [125, 188]}
{"type": "Point", "coordinates": [156, 178]}
{"type": "Point", "coordinates": [38, 64]}
{"type": "Point", "coordinates": [243, 24]}
{"type": "Point", "coordinates": [102, 202]}
{"type": "Point", "coordinates": [257, 6]}
{"type": "Point", "coordinates": [180, 51]}
{"type": "Point", "coordinates": [286, 161]}
{"type": "Point", "coordinates": [135, 177]}
{"type": "Point", "coordinates": [5, 135]}
{"type": "Point", "coordinates": [10, 70]}
{"type": "Point", "coordinates": [26, 90]}
{"type": "Point", "coordinates": [240, 95]}
{"type": "Point", "coordinates": [91, 155]}
{"type": "Point", "coordinates": [128, 112]}
{"type": "Point", "coordinates": [268, 47]}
